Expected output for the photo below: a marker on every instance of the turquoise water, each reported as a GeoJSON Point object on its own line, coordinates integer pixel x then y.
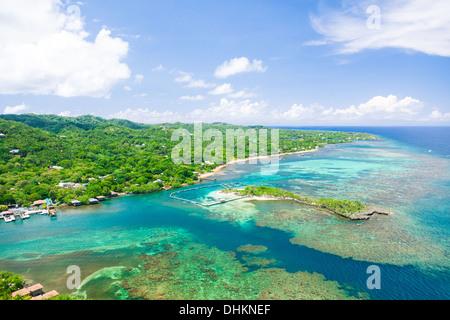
{"type": "Point", "coordinates": [410, 247]}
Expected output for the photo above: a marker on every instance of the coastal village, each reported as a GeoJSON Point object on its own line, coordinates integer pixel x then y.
{"type": "Point", "coordinates": [46, 207]}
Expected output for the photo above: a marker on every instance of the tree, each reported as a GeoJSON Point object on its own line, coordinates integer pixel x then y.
{"type": "Point", "coordinates": [9, 283]}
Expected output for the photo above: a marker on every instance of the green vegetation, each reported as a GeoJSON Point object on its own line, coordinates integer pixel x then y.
{"type": "Point", "coordinates": [10, 282]}
{"type": "Point", "coordinates": [346, 208]}
{"type": "Point", "coordinates": [98, 156]}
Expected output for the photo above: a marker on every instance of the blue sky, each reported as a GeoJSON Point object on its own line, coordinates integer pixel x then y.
{"type": "Point", "coordinates": [245, 62]}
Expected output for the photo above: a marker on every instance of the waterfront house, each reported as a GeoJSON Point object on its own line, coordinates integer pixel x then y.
{"type": "Point", "coordinates": [47, 295]}
{"type": "Point", "coordinates": [93, 201]}
{"type": "Point", "coordinates": [38, 203]}
{"type": "Point", "coordinates": [76, 203]}
{"type": "Point", "coordinates": [36, 292]}
{"type": "Point", "coordinates": [33, 291]}
{"type": "Point", "coordinates": [101, 198]}
{"type": "Point", "coordinates": [5, 213]}
{"type": "Point", "coordinates": [114, 194]}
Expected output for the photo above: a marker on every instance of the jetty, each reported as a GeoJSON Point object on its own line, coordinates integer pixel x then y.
{"type": "Point", "coordinates": [50, 208]}
{"type": "Point", "coordinates": [176, 195]}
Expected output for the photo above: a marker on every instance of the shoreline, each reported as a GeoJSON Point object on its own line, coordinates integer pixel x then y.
{"type": "Point", "coordinates": [223, 166]}
{"type": "Point", "coordinates": [368, 213]}
{"type": "Point", "coordinates": [204, 175]}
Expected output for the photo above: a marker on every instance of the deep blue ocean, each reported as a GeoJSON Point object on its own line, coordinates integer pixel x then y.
{"type": "Point", "coordinates": [422, 139]}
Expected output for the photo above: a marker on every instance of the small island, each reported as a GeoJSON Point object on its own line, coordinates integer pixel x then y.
{"type": "Point", "coordinates": [348, 209]}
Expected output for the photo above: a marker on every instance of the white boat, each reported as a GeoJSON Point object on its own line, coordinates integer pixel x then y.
{"type": "Point", "coordinates": [24, 215]}
{"type": "Point", "coordinates": [34, 212]}
{"type": "Point", "coordinates": [44, 212]}
{"type": "Point", "coordinates": [9, 218]}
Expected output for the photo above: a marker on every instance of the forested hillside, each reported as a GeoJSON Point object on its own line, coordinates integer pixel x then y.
{"type": "Point", "coordinates": [37, 152]}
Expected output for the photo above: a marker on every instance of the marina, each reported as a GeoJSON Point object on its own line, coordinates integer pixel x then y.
{"type": "Point", "coordinates": [25, 213]}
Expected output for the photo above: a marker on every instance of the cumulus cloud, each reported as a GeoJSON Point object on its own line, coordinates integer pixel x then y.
{"type": "Point", "coordinates": [190, 82]}
{"type": "Point", "coordinates": [65, 114]}
{"type": "Point", "coordinates": [376, 111]}
{"type": "Point", "coordinates": [222, 90]}
{"type": "Point", "coordinates": [239, 65]}
{"type": "Point", "coordinates": [141, 115]}
{"type": "Point", "coordinates": [413, 25]}
{"type": "Point", "coordinates": [437, 116]}
{"type": "Point", "coordinates": [15, 109]}
{"type": "Point", "coordinates": [158, 68]}
{"type": "Point", "coordinates": [241, 94]}
{"type": "Point", "coordinates": [379, 107]}
{"type": "Point", "coordinates": [138, 78]}
{"type": "Point", "coordinates": [44, 51]}
{"type": "Point", "coordinates": [193, 98]}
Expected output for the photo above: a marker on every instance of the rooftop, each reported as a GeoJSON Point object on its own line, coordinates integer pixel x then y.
{"type": "Point", "coordinates": [28, 291]}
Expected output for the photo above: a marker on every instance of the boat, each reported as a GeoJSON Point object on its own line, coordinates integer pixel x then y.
{"type": "Point", "coordinates": [24, 215]}
{"type": "Point", "coordinates": [34, 212]}
{"type": "Point", "coordinates": [9, 218]}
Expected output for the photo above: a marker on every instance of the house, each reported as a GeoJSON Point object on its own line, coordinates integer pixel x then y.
{"type": "Point", "coordinates": [114, 194]}
{"type": "Point", "coordinates": [56, 168]}
{"type": "Point", "coordinates": [76, 203]}
{"type": "Point", "coordinates": [14, 152]}
{"type": "Point", "coordinates": [33, 291]}
{"type": "Point", "coordinates": [5, 213]}
{"type": "Point", "coordinates": [101, 198]}
{"type": "Point", "coordinates": [38, 203]}
{"type": "Point", "coordinates": [93, 201]}
{"type": "Point", "coordinates": [47, 295]}
{"type": "Point", "coordinates": [159, 180]}
{"type": "Point", "coordinates": [2, 136]}
{"type": "Point", "coordinates": [36, 292]}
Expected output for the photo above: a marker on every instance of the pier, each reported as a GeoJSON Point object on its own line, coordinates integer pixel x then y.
{"type": "Point", "coordinates": [224, 186]}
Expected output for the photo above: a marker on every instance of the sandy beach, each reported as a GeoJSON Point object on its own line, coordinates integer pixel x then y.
{"type": "Point", "coordinates": [223, 166]}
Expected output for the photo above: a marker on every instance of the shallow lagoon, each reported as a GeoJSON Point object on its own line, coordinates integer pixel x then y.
{"type": "Point", "coordinates": [154, 247]}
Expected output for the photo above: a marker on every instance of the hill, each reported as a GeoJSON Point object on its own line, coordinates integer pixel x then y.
{"type": "Point", "coordinates": [95, 156]}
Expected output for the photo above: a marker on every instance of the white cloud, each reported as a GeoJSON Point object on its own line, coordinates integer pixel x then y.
{"type": "Point", "coordinates": [65, 114]}
{"type": "Point", "coordinates": [158, 68]}
{"type": "Point", "coordinates": [379, 107]}
{"type": "Point", "coordinates": [437, 116]}
{"type": "Point", "coordinates": [239, 65]}
{"type": "Point", "coordinates": [222, 90]}
{"type": "Point", "coordinates": [141, 115]}
{"type": "Point", "coordinates": [16, 109]}
{"type": "Point", "coordinates": [191, 82]}
{"type": "Point", "coordinates": [44, 51]}
{"type": "Point", "coordinates": [232, 111]}
{"type": "Point", "coordinates": [138, 78]}
{"type": "Point", "coordinates": [417, 25]}
{"type": "Point", "coordinates": [376, 111]}
{"type": "Point", "coordinates": [193, 98]}
{"type": "Point", "coordinates": [241, 94]}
